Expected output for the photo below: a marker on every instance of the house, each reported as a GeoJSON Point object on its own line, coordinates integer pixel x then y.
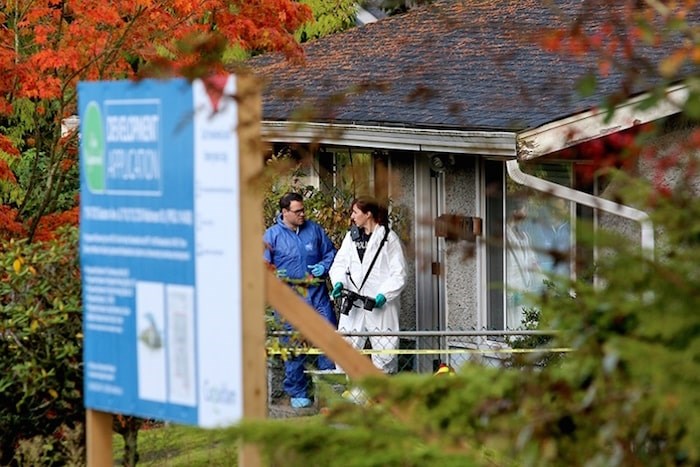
{"type": "Point", "coordinates": [458, 105]}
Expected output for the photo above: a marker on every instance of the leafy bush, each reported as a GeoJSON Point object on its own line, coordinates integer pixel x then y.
{"type": "Point", "coordinates": [329, 17]}
{"type": "Point", "coordinates": [32, 171]}
{"type": "Point", "coordinates": [67, 449]}
{"type": "Point", "coordinates": [284, 174]}
{"type": "Point", "coordinates": [531, 322]}
{"type": "Point", "coordinates": [41, 338]}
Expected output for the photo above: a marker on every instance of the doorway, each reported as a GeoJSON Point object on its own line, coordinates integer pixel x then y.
{"type": "Point", "coordinates": [430, 259]}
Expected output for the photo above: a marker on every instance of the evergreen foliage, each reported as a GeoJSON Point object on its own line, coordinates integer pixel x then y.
{"type": "Point", "coordinates": [626, 395]}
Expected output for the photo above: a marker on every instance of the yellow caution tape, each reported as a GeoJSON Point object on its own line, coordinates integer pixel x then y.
{"type": "Point", "coordinates": [314, 351]}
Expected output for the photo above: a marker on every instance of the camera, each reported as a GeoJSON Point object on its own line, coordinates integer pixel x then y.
{"type": "Point", "coordinates": [349, 298]}
{"type": "Point", "coordinates": [345, 304]}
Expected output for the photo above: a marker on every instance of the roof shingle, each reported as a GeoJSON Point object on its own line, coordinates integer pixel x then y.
{"type": "Point", "coordinates": [459, 64]}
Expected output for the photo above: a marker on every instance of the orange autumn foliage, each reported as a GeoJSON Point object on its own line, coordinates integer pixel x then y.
{"type": "Point", "coordinates": [6, 146]}
{"type": "Point", "coordinates": [48, 46]}
{"type": "Point", "coordinates": [9, 226]}
{"type": "Point", "coordinates": [6, 173]}
{"type": "Point", "coordinates": [63, 42]}
{"type": "Point", "coordinates": [50, 222]}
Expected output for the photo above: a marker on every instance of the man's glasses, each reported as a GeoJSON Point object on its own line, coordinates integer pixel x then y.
{"type": "Point", "coordinates": [297, 211]}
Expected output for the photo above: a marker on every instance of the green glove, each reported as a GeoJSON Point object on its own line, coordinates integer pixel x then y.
{"type": "Point", "coordinates": [337, 288]}
{"type": "Point", "coordinates": [379, 300]}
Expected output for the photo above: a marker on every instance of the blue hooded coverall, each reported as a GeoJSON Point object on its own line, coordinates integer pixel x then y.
{"type": "Point", "coordinates": [292, 252]}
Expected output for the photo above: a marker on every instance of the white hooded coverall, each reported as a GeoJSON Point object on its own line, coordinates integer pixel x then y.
{"type": "Point", "coordinates": [387, 277]}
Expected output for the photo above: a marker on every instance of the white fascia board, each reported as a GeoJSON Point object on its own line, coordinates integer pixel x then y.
{"type": "Point", "coordinates": [490, 143]}
{"type": "Point", "coordinates": [591, 124]}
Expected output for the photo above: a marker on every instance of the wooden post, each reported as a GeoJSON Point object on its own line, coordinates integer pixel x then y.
{"type": "Point", "coordinates": [252, 265]}
{"type": "Point", "coordinates": [98, 433]}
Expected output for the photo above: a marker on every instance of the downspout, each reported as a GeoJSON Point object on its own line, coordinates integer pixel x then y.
{"type": "Point", "coordinates": [594, 202]}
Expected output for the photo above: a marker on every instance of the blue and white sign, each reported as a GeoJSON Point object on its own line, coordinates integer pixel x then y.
{"type": "Point", "coordinates": [160, 249]}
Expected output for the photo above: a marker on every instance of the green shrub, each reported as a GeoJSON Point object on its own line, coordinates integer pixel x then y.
{"type": "Point", "coordinates": [67, 449]}
{"type": "Point", "coordinates": [41, 337]}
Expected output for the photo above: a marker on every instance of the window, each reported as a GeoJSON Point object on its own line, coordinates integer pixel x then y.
{"type": "Point", "coordinates": [347, 173]}
{"type": "Point", "coordinates": [343, 173]}
{"type": "Point", "coordinates": [529, 236]}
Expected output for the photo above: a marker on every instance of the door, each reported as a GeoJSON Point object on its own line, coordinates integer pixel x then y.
{"type": "Point", "coordinates": [430, 251]}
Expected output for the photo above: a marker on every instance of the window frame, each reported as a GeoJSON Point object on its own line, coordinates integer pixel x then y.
{"type": "Point", "coordinates": [495, 191]}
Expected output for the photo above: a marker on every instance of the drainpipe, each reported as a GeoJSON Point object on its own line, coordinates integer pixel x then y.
{"type": "Point", "coordinates": [594, 202]}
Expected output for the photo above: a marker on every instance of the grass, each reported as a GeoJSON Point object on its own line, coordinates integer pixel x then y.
{"type": "Point", "coordinates": [189, 446]}
{"type": "Point", "coordinates": [180, 446]}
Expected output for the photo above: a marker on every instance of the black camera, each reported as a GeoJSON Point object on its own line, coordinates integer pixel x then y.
{"type": "Point", "coordinates": [349, 298]}
{"type": "Point", "coordinates": [345, 303]}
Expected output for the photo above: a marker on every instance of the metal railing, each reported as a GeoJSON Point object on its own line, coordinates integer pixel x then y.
{"type": "Point", "coordinates": [417, 352]}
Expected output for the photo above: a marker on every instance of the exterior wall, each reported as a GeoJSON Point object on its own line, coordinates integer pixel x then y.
{"type": "Point", "coordinates": [625, 227]}
{"type": "Point", "coordinates": [671, 142]}
{"type": "Point", "coordinates": [461, 274]}
{"type": "Point", "coordinates": [668, 143]}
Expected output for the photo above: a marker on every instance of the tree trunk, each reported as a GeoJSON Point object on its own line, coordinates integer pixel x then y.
{"type": "Point", "coordinates": [131, 454]}
{"type": "Point", "coordinates": [129, 427]}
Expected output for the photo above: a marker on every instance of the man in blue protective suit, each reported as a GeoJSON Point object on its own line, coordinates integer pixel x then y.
{"type": "Point", "coordinates": [297, 248]}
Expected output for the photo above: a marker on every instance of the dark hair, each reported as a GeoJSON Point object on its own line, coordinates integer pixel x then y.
{"type": "Point", "coordinates": [368, 204]}
{"type": "Point", "coordinates": [287, 199]}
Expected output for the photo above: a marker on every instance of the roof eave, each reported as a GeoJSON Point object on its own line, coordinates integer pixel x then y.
{"type": "Point", "coordinates": [593, 124]}
{"type": "Point", "coordinates": [491, 143]}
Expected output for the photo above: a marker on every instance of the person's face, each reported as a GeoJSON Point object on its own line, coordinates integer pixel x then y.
{"type": "Point", "coordinates": [358, 217]}
{"type": "Point", "coordinates": [295, 215]}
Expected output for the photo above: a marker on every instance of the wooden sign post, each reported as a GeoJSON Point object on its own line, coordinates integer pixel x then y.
{"type": "Point", "coordinates": [253, 287]}
{"type": "Point", "coordinates": [98, 436]}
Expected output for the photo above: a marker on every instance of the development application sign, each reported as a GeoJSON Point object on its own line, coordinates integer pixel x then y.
{"type": "Point", "coordinates": [160, 249]}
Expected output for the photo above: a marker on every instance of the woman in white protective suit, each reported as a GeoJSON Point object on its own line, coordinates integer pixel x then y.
{"type": "Point", "coordinates": [371, 263]}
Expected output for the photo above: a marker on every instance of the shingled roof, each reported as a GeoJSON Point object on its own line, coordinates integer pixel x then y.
{"type": "Point", "coordinates": [453, 64]}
